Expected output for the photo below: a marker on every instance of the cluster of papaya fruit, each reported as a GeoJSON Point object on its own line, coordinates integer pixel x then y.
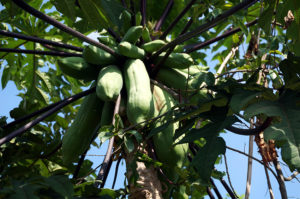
{"type": "Point", "coordinates": [144, 101]}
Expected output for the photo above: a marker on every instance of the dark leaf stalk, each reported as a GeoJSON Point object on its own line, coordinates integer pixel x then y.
{"type": "Point", "coordinates": [39, 40]}
{"type": "Point", "coordinates": [205, 27]}
{"type": "Point", "coordinates": [44, 115]}
{"type": "Point", "coordinates": [62, 27]}
{"type": "Point", "coordinates": [176, 20]}
{"type": "Point", "coordinates": [41, 52]}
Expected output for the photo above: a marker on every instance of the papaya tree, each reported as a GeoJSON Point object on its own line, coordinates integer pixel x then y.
{"type": "Point", "coordinates": [144, 83]}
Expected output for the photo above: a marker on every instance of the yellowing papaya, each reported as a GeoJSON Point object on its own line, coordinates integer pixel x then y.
{"type": "Point", "coordinates": [109, 83]}
{"type": "Point", "coordinates": [140, 105]}
{"type": "Point", "coordinates": [78, 68]}
{"type": "Point", "coordinates": [97, 56]}
{"type": "Point", "coordinates": [129, 50]}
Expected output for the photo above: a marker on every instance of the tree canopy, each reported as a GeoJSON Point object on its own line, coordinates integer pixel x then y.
{"type": "Point", "coordinates": [252, 90]}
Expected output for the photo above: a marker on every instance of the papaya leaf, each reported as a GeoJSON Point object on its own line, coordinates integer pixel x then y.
{"type": "Point", "coordinates": [209, 130]}
{"type": "Point", "coordinates": [241, 99]}
{"type": "Point", "coordinates": [265, 19]}
{"type": "Point", "coordinates": [129, 143]}
{"type": "Point", "coordinates": [61, 185]}
{"type": "Point", "coordinates": [206, 157]}
{"type": "Point", "coordinates": [286, 133]}
{"type": "Point", "coordinates": [67, 7]}
{"type": "Point", "coordinates": [102, 14]}
{"type": "Point", "coordinates": [137, 135]}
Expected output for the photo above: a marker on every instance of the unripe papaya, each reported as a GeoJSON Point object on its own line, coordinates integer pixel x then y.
{"type": "Point", "coordinates": [194, 69]}
{"type": "Point", "coordinates": [79, 135]}
{"type": "Point", "coordinates": [107, 113]}
{"type": "Point", "coordinates": [125, 18]}
{"type": "Point", "coordinates": [146, 35]}
{"type": "Point", "coordinates": [163, 141]}
{"type": "Point", "coordinates": [152, 46]}
{"type": "Point", "coordinates": [172, 78]}
{"type": "Point", "coordinates": [129, 50]}
{"type": "Point", "coordinates": [109, 41]}
{"type": "Point", "coordinates": [172, 157]}
{"type": "Point", "coordinates": [176, 60]}
{"type": "Point", "coordinates": [109, 83]}
{"type": "Point", "coordinates": [140, 106]}
{"type": "Point", "coordinates": [78, 68]}
{"type": "Point", "coordinates": [138, 18]}
{"type": "Point", "coordinates": [133, 34]}
{"type": "Point", "coordinates": [97, 56]}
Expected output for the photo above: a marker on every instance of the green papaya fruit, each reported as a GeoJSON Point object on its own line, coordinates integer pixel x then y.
{"type": "Point", "coordinates": [125, 18]}
{"type": "Point", "coordinates": [133, 34]}
{"type": "Point", "coordinates": [140, 106]}
{"type": "Point", "coordinates": [129, 50]}
{"type": "Point", "coordinates": [97, 56]}
{"type": "Point", "coordinates": [176, 60]}
{"type": "Point", "coordinates": [78, 68]}
{"type": "Point", "coordinates": [146, 35]}
{"type": "Point", "coordinates": [152, 46]}
{"type": "Point", "coordinates": [109, 83]}
{"type": "Point", "coordinates": [82, 130]}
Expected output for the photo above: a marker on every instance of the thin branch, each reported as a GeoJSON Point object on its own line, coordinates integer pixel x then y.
{"type": "Point", "coordinates": [255, 131]}
{"type": "Point", "coordinates": [164, 87]}
{"type": "Point", "coordinates": [194, 47]}
{"type": "Point", "coordinates": [259, 161]}
{"type": "Point", "coordinates": [176, 20]}
{"type": "Point", "coordinates": [144, 13]}
{"type": "Point", "coordinates": [44, 156]}
{"type": "Point", "coordinates": [269, 183]}
{"type": "Point", "coordinates": [39, 40]}
{"type": "Point", "coordinates": [62, 27]}
{"type": "Point", "coordinates": [116, 172]}
{"type": "Point", "coordinates": [280, 178]}
{"type": "Point", "coordinates": [205, 27]}
{"type": "Point", "coordinates": [40, 52]}
{"type": "Point", "coordinates": [228, 176]}
{"type": "Point", "coordinates": [215, 188]}
{"type": "Point", "coordinates": [294, 175]}
{"type": "Point", "coordinates": [164, 15]}
{"type": "Point", "coordinates": [229, 191]}
{"type": "Point", "coordinates": [226, 60]}
{"type": "Point", "coordinates": [81, 179]}
{"type": "Point", "coordinates": [45, 115]}
{"type": "Point", "coordinates": [108, 156]}
{"type": "Point", "coordinates": [249, 169]}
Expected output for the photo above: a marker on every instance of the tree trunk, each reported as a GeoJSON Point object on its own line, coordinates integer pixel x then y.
{"type": "Point", "coordinates": [147, 185]}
